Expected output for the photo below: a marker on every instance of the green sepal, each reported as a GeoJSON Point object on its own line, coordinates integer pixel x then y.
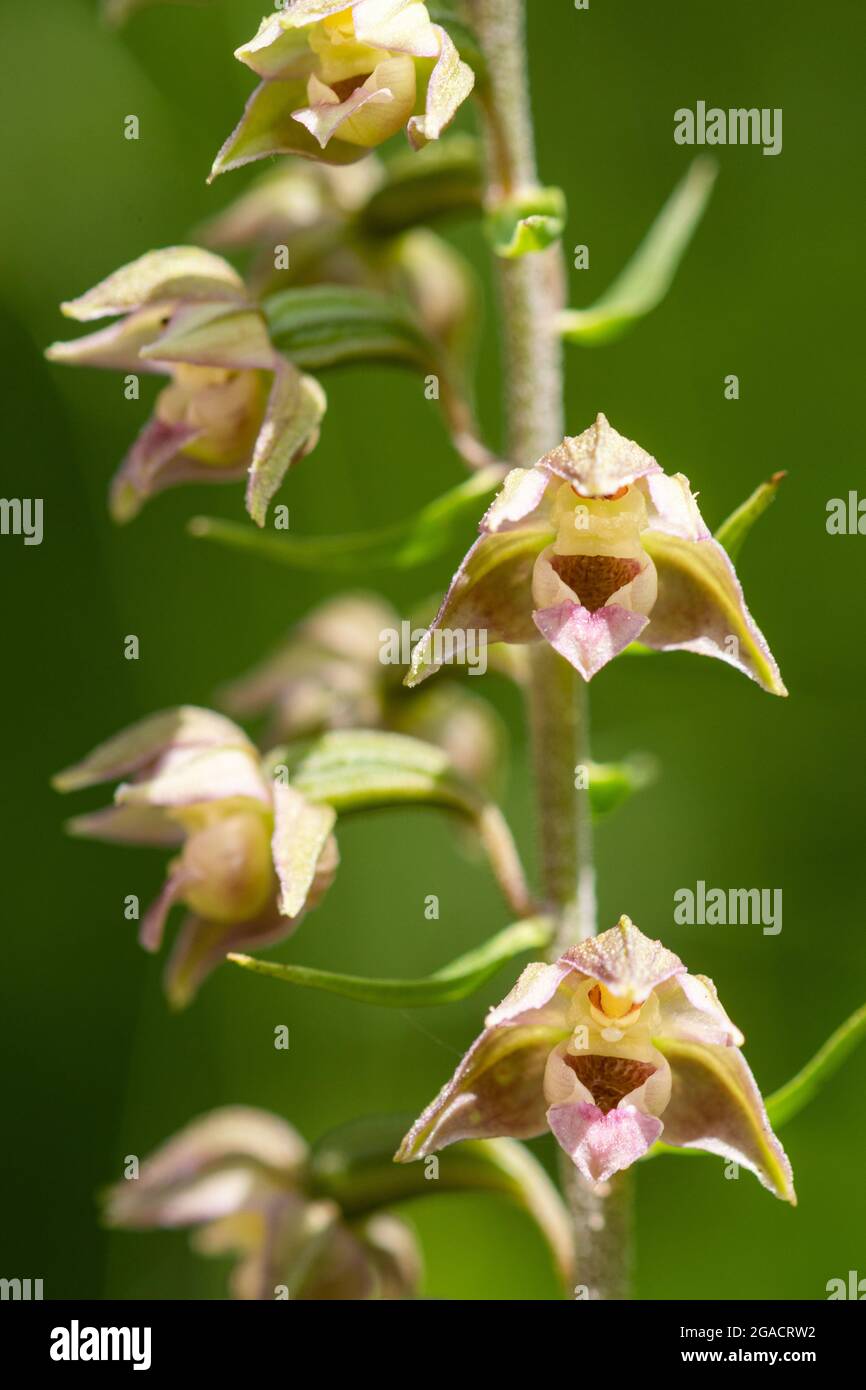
{"type": "Point", "coordinates": [733, 531]}
{"type": "Point", "coordinates": [796, 1094]}
{"type": "Point", "coordinates": [531, 222]}
{"type": "Point", "coordinates": [463, 36]}
{"type": "Point", "coordinates": [610, 785]}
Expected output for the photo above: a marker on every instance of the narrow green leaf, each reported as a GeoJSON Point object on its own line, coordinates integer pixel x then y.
{"type": "Point", "coordinates": [796, 1093]}
{"type": "Point", "coordinates": [354, 1167]}
{"type": "Point", "coordinates": [647, 277]}
{"type": "Point", "coordinates": [422, 185]}
{"type": "Point", "coordinates": [532, 222]}
{"type": "Point", "coordinates": [791, 1098]}
{"type": "Point", "coordinates": [330, 325]}
{"type": "Point", "coordinates": [456, 981]}
{"type": "Point", "coordinates": [403, 545]}
{"type": "Point", "coordinates": [736, 528]}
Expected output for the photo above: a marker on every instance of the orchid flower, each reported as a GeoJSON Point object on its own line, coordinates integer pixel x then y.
{"type": "Point", "coordinates": [238, 1175]}
{"type": "Point", "coordinates": [234, 405]}
{"type": "Point", "coordinates": [342, 76]}
{"type": "Point", "coordinates": [255, 854]}
{"type": "Point", "coordinates": [592, 548]}
{"type": "Point", "coordinates": [328, 674]}
{"type": "Point", "coordinates": [611, 1048]}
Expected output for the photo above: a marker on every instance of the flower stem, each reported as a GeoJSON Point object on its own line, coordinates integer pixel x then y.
{"type": "Point", "coordinates": [531, 293]}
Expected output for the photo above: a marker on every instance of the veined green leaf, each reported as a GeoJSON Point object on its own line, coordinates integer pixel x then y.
{"type": "Point", "coordinates": [455, 981]}
{"type": "Point", "coordinates": [403, 545]}
{"type": "Point", "coordinates": [735, 529]}
{"type": "Point", "coordinates": [422, 185]}
{"type": "Point", "coordinates": [334, 325]}
{"type": "Point", "coordinates": [648, 275]}
{"type": "Point", "coordinates": [329, 325]}
{"type": "Point", "coordinates": [532, 222]}
{"type": "Point", "coordinates": [354, 1167]}
{"type": "Point", "coordinates": [358, 769]}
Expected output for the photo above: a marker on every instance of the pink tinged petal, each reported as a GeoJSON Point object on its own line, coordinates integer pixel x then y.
{"type": "Point", "coordinates": [212, 335]}
{"type": "Point", "coordinates": [691, 1012]}
{"type": "Point", "coordinates": [450, 83]}
{"type": "Point", "coordinates": [715, 1105]}
{"type": "Point", "coordinates": [212, 1196]}
{"type": "Point", "coordinates": [196, 777]}
{"type": "Point", "coordinates": [397, 26]}
{"type": "Point", "coordinates": [600, 461]}
{"type": "Point", "coordinates": [272, 1236]}
{"type": "Point", "coordinates": [295, 410]}
{"type": "Point", "coordinates": [154, 462]}
{"type": "Point", "coordinates": [268, 127]}
{"type": "Point", "coordinates": [141, 745]}
{"type": "Point", "coordinates": [177, 1184]}
{"type": "Point", "coordinates": [153, 922]}
{"type": "Point", "coordinates": [201, 946]}
{"type": "Point", "coordinates": [671, 507]}
{"type": "Point", "coordinates": [370, 114]}
{"type": "Point", "coordinates": [118, 346]}
{"type": "Point", "coordinates": [128, 825]}
{"type": "Point", "coordinates": [700, 608]}
{"type": "Point", "coordinates": [495, 1092]}
{"type": "Point", "coordinates": [350, 626]}
{"type": "Point", "coordinates": [625, 960]}
{"type": "Point", "coordinates": [601, 1145]}
{"type": "Point", "coordinates": [522, 493]}
{"type": "Point", "coordinates": [176, 274]}
{"type": "Point", "coordinates": [490, 593]}
{"type": "Point", "coordinates": [302, 832]}
{"type": "Point", "coordinates": [539, 997]}
{"type": "Point", "coordinates": [588, 641]}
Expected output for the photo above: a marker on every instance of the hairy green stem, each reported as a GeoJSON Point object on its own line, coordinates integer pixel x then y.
{"type": "Point", "coordinates": [531, 297]}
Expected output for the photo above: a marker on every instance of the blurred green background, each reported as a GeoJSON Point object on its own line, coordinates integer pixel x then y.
{"type": "Point", "coordinates": [754, 791]}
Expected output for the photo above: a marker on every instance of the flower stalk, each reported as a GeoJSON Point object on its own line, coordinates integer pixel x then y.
{"type": "Point", "coordinates": [531, 296]}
